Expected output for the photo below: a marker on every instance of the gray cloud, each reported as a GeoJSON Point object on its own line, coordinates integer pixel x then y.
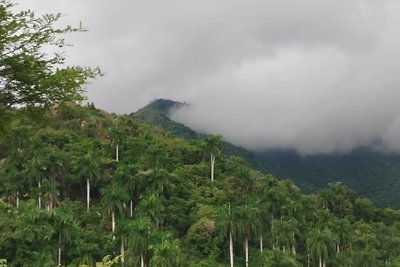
{"type": "Point", "coordinates": [318, 76]}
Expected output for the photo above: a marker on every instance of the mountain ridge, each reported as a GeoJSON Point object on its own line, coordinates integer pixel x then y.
{"type": "Point", "coordinates": [370, 173]}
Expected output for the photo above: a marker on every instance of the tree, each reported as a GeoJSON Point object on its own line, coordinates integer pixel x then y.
{"type": "Point", "coordinates": [113, 197]}
{"type": "Point", "coordinates": [29, 77]}
{"type": "Point", "coordinates": [212, 144]}
{"type": "Point", "coordinates": [139, 237]}
{"type": "Point", "coordinates": [283, 233]}
{"type": "Point", "coordinates": [228, 226]}
{"type": "Point", "coordinates": [248, 221]}
{"type": "Point", "coordinates": [320, 244]}
{"type": "Point", "coordinates": [36, 171]}
{"type": "Point", "coordinates": [151, 206]}
{"type": "Point", "coordinates": [166, 251]}
{"type": "Point", "coordinates": [89, 168]}
{"type": "Point", "coordinates": [117, 135]}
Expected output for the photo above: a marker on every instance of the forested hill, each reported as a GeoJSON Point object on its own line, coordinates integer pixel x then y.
{"type": "Point", "coordinates": [370, 173]}
{"type": "Point", "coordinates": [78, 183]}
{"type": "Point", "coordinates": [83, 187]}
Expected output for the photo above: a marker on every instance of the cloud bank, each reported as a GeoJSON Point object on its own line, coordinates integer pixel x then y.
{"type": "Point", "coordinates": [318, 76]}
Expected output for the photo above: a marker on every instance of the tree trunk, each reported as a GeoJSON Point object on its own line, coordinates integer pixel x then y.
{"type": "Point", "coordinates": [116, 153]}
{"type": "Point", "coordinates": [17, 199]}
{"type": "Point", "coordinates": [141, 260]}
{"type": "Point", "coordinates": [131, 208]}
{"type": "Point", "coordinates": [122, 251]}
{"type": "Point", "coordinates": [59, 249]}
{"type": "Point", "coordinates": [231, 248]}
{"type": "Point", "coordinates": [293, 246]}
{"type": "Point", "coordinates": [261, 243]}
{"type": "Point", "coordinates": [87, 194]}
{"type": "Point", "coordinates": [320, 261]}
{"type": "Point", "coordinates": [212, 166]}
{"type": "Point", "coordinates": [246, 250]}
{"type": "Point", "coordinates": [39, 198]}
{"type": "Point", "coordinates": [113, 223]}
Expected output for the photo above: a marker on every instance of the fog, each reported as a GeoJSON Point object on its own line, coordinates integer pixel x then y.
{"type": "Point", "coordinates": [318, 76]}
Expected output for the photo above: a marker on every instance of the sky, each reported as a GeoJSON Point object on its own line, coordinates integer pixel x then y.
{"type": "Point", "coordinates": [317, 76]}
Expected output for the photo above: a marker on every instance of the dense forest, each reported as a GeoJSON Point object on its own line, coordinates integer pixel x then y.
{"type": "Point", "coordinates": [84, 187]}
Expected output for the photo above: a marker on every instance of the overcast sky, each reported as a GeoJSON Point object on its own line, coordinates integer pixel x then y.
{"type": "Point", "coordinates": [318, 76]}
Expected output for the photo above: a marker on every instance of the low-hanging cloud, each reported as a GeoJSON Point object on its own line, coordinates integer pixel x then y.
{"type": "Point", "coordinates": [318, 76]}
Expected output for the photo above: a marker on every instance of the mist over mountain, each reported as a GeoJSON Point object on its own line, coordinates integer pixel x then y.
{"type": "Point", "coordinates": [318, 123]}
{"type": "Point", "coordinates": [370, 172]}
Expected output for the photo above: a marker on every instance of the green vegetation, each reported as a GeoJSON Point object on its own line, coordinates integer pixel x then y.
{"type": "Point", "coordinates": [67, 200]}
{"type": "Point", "coordinates": [78, 183]}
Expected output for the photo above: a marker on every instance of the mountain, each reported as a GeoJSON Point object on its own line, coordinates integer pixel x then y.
{"type": "Point", "coordinates": [157, 114]}
{"type": "Point", "coordinates": [370, 173]}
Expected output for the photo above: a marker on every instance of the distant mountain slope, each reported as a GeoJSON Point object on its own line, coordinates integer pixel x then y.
{"type": "Point", "coordinates": [156, 113]}
{"type": "Point", "coordinates": [369, 173]}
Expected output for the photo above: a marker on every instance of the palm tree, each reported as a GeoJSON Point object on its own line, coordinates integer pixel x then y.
{"type": "Point", "coordinates": [139, 237]}
{"type": "Point", "coordinates": [51, 195]}
{"type": "Point", "coordinates": [212, 147]}
{"type": "Point", "coordinates": [89, 168]}
{"type": "Point", "coordinates": [278, 258]}
{"type": "Point", "coordinates": [64, 225]}
{"type": "Point", "coordinates": [151, 206]}
{"type": "Point", "coordinates": [283, 233]}
{"type": "Point", "coordinates": [113, 197]}
{"type": "Point", "coordinates": [366, 258]}
{"type": "Point", "coordinates": [125, 174]}
{"type": "Point", "coordinates": [116, 136]}
{"type": "Point", "coordinates": [320, 244]}
{"type": "Point", "coordinates": [228, 226]}
{"type": "Point", "coordinates": [248, 222]}
{"type": "Point", "coordinates": [166, 251]}
{"type": "Point", "coordinates": [36, 171]}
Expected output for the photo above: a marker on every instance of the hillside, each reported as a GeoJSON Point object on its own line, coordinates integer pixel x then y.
{"type": "Point", "coordinates": [370, 173]}
{"type": "Point", "coordinates": [78, 183]}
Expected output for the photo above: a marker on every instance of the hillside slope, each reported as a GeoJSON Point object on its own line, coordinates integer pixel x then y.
{"type": "Point", "coordinates": [370, 173]}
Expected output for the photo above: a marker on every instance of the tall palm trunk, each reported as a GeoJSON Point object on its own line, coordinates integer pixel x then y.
{"type": "Point", "coordinates": [39, 198]}
{"type": "Point", "coordinates": [293, 246]}
{"type": "Point", "coordinates": [87, 194]}
{"type": "Point", "coordinates": [231, 247]}
{"type": "Point", "coordinates": [59, 249]}
{"type": "Point", "coordinates": [113, 223]}
{"type": "Point", "coordinates": [131, 208]}
{"type": "Point", "coordinates": [122, 251]}
{"type": "Point", "coordinates": [246, 250]}
{"type": "Point", "coordinates": [212, 166]}
{"type": "Point", "coordinates": [141, 260]}
{"type": "Point", "coordinates": [261, 243]}
{"type": "Point", "coordinates": [116, 153]}
{"type": "Point", "coordinates": [320, 261]}
{"type": "Point", "coordinates": [17, 199]}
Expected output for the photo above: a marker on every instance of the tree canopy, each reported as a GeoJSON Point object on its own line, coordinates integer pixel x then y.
{"type": "Point", "coordinates": [28, 75]}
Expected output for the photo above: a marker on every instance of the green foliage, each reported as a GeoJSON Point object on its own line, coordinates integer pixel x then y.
{"type": "Point", "coordinates": [65, 201]}
{"type": "Point", "coordinates": [29, 77]}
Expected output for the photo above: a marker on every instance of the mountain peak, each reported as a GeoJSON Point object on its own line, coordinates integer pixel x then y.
{"type": "Point", "coordinates": [165, 105]}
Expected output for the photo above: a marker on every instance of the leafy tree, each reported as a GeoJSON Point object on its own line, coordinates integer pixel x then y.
{"type": "Point", "coordinates": [29, 77]}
